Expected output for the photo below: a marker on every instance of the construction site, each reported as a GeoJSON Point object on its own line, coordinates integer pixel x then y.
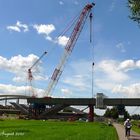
{"type": "Point", "coordinates": [41, 110]}
{"type": "Point", "coordinates": [48, 107]}
{"type": "Point", "coordinates": [56, 101]}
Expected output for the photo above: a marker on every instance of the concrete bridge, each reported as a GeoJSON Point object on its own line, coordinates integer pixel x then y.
{"type": "Point", "coordinates": [75, 101]}
{"type": "Point", "coordinates": [86, 101]}
{"type": "Point", "coordinates": [90, 102]}
{"type": "Point", "coordinates": [9, 97]}
{"type": "Point", "coordinates": [61, 103]}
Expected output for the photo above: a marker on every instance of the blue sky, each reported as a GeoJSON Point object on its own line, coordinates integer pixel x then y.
{"type": "Point", "coordinates": [28, 28]}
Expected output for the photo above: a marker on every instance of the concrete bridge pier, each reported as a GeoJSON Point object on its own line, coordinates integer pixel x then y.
{"type": "Point", "coordinates": [91, 113]}
{"type": "Point", "coordinates": [17, 101]}
{"type": "Point", "coordinates": [6, 102]}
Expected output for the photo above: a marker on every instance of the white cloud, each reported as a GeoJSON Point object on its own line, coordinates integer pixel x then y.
{"type": "Point", "coordinates": [78, 82]}
{"type": "Point", "coordinates": [107, 75]}
{"type": "Point", "coordinates": [65, 91]}
{"type": "Point", "coordinates": [130, 64]}
{"type": "Point", "coordinates": [19, 79]}
{"type": "Point", "coordinates": [44, 28]}
{"type": "Point", "coordinates": [61, 2]}
{"type": "Point", "coordinates": [20, 90]}
{"type": "Point", "coordinates": [138, 64]}
{"type": "Point", "coordinates": [104, 84]}
{"type": "Point", "coordinates": [14, 28]}
{"type": "Point", "coordinates": [23, 77]}
{"type": "Point", "coordinates": [121, 47]}
{"type": "Point", "coordinates": [22, 26]}
{"type": "Point", "coordinates": [62, 40]}
{"type": "Point", "coordinates": [113, 76]}
{"type": "Point", "coordinates": [19, 65]}
{"type": "Point", "coordinates": [49, 38]}
{"type": "Point", "coordinates": [110, 68]}
{"type": "Point", "coordinates": [10, 89]}
{"type": "Point", "coordinates": [132, 90]}
{"type": "Point", "coordinates": [79, 78]}
{"type": "Point", "coordinates": [18, 27]}
{"type": "Point", "coordinates": [127, 65]}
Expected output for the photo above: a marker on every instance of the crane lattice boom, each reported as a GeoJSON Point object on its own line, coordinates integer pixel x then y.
{"type": "Point", "coordinates": [69, 47]}
{"type": "Point", "coordinates": [30, 75]}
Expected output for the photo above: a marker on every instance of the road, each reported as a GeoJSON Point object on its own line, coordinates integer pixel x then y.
{"type": "Point", "coordinates": [121, 133]}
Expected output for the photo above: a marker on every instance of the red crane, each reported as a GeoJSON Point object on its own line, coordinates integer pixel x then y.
{"type": "Point", "coordinates": [69, 47]}
{"type": "Point", "coordinates": [30, 75]}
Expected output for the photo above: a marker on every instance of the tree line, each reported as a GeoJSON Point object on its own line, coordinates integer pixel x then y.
{"type": "Point", "coordinates": [134, 6]}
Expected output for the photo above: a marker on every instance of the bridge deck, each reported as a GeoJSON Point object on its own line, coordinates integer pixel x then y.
{"type": "Point", "coordinates": [122, 101]}
{"type": "Point", "coordinates": [66, 101]}
{"type": "Point", "coordinates": [86, 101]}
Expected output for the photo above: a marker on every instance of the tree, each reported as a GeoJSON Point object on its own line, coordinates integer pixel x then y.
{"type": "Point", "coordinates": [111, 113]}
{"type": "Point", "coordinates": [107, 113]}
{"type": "Point", "coordinates": [115, 112]}
{"type": "Point", "coordinates": [134, 6]}
{"type": "Point", "coordinates": [135, 117]}
{"type": "Point", "coordinates": [126, 115]}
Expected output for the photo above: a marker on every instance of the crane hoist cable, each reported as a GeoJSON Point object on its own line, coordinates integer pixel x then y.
{"type": "Point", "coordinates": [92, 53]}
{"type": "Point", "coordinates": [69, 25]}
{"type": "Point", "coordinates": [90, 17]}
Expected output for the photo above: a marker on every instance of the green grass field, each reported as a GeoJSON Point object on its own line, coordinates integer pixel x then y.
{"type": "Point", "coordinates": [136, 126]}
{"type": "Point", "coordinates": [45, 130]}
